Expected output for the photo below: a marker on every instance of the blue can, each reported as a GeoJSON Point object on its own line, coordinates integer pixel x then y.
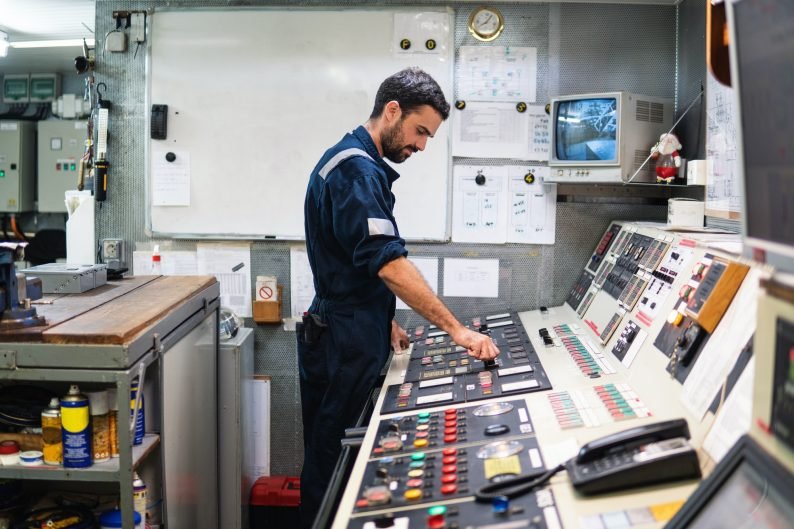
{"type": "Point", "coordinates": [75, 429]}
{"type": "Point", "coordinates": [140, 422]}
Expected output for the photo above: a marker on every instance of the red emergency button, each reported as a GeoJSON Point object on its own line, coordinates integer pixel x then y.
{"type": "Point", "coordinates": [449, 460]}
{"type": "Point", "coordinates": [449, 488]}
{"type": "Point", "coordinates": [449, 478]}
{"type": "Point", "coordinates": [450, 438]}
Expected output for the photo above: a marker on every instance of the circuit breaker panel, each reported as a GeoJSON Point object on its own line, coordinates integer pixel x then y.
{"type": "Point", "coordinates": [17, 165]}
{"type": "Point", "coordinates": [61, 145]}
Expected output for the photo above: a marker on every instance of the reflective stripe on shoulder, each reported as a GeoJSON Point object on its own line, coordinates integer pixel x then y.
{"type": "Point", "coordinates": [338, 158]}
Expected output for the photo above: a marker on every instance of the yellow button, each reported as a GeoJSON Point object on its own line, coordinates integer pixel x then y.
{"type": "Point", "coordinates": [675, 318]}
{"type": "Point", "coordinates": [420, 443]}
{"type": "Point", "coordinates": [413, 494]}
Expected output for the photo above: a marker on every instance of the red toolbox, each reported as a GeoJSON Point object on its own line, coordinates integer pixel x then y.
{"type": "Point", "coordinates": [274, 502]}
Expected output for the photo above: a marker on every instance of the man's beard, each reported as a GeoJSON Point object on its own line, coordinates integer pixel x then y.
{"type": "Point", "coordinates": [391, 141]}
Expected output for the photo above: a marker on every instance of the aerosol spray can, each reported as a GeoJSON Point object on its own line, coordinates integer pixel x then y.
{"type": "Point", "coordinates": [75, 429]}
{"type": "Point", "coordinates": [139, 494]}
{"type": "Point", "coordinates": [100, 425]}
{"type": "Point", "coordinates": [113, 419]}
{"type": "Point", "coordinates": [51, 433]}
{"type": "Point", "coordinates": [140, 421]}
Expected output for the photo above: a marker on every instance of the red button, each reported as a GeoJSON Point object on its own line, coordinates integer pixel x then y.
{"type": "Point", "coordinates": [451, 431]}
{"type": "Point", "coordinates": [451, 411]}
{"type": "Point", "coordinates": [449, 478]}
{"type": "Point", "coordinates": [449, 451]}
{"type": "Point", "coordinates": [451, 424]}
{"type": "Point", "coordinates": [449, 469]}
{"type": "Point", "coordinates": [362, 503]}
{"type": "Point", "coordinates": [414, 483]}
{"type": "Point", "coordinates": [449, 488]}
{"type": "Point", "coordinates": [450, 438]}
{"type": "Point", "coordinates": [449, 460]}
{"type": "Point", "coordinates": [421, 435]}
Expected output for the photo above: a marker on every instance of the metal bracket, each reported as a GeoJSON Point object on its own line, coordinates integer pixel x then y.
{"type": "Point", "coordinates": [157, 345]}
{"type": "Point", "coordinates": [8, 359]}
{"type": "Point", "coordinates": [206, 304]}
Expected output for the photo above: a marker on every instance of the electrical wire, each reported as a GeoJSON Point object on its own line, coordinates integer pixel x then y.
{"type": "Point", "coordinates": [19, 235]}
{"type": "Point", "coordinates": [517, 486]}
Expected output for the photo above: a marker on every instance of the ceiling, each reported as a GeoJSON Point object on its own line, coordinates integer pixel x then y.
{"type": "Point", "coordinates": [38, 20]}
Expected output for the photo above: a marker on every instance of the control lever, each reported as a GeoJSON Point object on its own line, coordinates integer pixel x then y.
{"type": "Point", "coordinates": [489, 364]}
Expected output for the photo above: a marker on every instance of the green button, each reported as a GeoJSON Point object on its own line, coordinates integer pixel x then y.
{"type": "Point", "coordinates": [418, 456]}
{"type": "Point", "coordinates": [72, 167]}
{"type": "Point", "coordinates": [416, 464]}
{"type": "Point", "coordinates": [2, 173]}
{"type": "Point", "coordinates": [437, 510]}
{"type": "Point", "coordinates": [424, 415]}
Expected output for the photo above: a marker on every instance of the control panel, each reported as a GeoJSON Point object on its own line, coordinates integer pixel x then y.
{"type": "Point", "coordinates": [60, 147]}
{"type": "Point", "coordinates": [453, 425]}
{"type": "Point", "coordinates": [441, 372]}
{"type": "Point", "coordinates": [17, 165]}
{"type": "Point", "coordinates": [603, 247]}
{"type": "Point", "coordinates": [445, 473]}
{"type": "Point", "coordinates": [531, 511]}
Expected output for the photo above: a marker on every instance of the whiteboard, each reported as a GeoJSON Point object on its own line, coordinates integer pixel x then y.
{"type": "Point", "coordinates": [256, 96]}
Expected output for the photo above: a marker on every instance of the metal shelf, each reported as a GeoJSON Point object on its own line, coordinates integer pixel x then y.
{"type": "Point", "coordinates": [106, 471]}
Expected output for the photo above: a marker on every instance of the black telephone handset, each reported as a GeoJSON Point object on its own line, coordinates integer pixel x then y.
{"type": "Point", "coordinates": [645, 455]}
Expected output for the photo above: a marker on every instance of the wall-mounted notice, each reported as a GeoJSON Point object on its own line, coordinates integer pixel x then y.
{"type": "Point", "coordinates": [532, 205]}
{"type": "Point", "coordinates": [479, 204]}
{"type": "Point", "coordinates": [497, 73]}
{"type": "Point", "coordinates": [723, 191]}
{"type": "Point", "coordinates": [500, 130]}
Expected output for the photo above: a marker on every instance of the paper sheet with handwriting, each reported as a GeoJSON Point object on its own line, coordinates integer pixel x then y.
{"type": "Point", "coordinates": [301, 282]}
{"type": "Point", "coordinates": [532, 206]}
{"type": "Point", "coordinates": [479, 204]}
{"type": "Point", "coordinates": [170, 177]}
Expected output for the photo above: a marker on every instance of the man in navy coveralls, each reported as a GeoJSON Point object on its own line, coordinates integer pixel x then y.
{"type": "Point", "coordinates": [359, 263]}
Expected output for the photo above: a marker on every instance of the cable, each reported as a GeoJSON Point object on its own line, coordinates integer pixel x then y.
{"type": "Point", "coordinates": [517, 486]}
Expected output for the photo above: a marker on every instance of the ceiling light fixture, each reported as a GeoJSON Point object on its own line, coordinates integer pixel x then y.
{"type": "Point", "coordinates": [3, 43]}
{"type": "Point", "coordinates": [51, 43]}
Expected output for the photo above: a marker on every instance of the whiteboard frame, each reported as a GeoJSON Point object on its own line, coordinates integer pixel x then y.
{"type": "Point", "coordinates": [449, 58]}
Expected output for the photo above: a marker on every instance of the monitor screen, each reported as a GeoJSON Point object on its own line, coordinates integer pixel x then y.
{"type": "Point", "coordinates": [586, 130]}
{"type": "Point", "coordinates": [765, 59]}
{"type": "Point", "coordinates": [749, 500]}
{"type": "Point", "coordinates": [749, 489]}
{"type": "Point", "coordinates": [783, 388]}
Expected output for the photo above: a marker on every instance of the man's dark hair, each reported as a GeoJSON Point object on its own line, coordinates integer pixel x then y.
{"type": "Point", "coordinates": [411, 88]}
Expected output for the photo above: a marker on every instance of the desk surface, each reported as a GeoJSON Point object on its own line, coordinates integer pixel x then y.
{"type": "Point", "coordinates": [111, 314]}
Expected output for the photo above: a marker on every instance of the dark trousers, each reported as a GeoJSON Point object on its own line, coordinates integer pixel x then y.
{"type": "Point", "coordinates": [337, 374]}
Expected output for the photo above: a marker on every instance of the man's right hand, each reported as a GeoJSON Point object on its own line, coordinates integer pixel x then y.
{"type": "Point", "coordinates": [479, 345]}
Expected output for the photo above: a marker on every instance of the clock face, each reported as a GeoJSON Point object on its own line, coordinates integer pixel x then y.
{"type": "Point", "coordinates": [486, 23]}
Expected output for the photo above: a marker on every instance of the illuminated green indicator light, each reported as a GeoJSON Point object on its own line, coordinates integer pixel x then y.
{"type": "Point", "coordinates": [72, 167]}
{"type": "Point", "coordinates": [418, 456]}
{"type": "Point", "coordinates": [2, 173]}
{"type": "Point", "coordinates": [437, 510]}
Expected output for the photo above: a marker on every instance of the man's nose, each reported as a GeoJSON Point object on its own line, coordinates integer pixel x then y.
{"type": "Point", "coordinates": [420, 144]}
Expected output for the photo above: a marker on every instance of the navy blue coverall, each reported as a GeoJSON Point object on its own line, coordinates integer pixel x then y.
{"type": "Point", "coordinates": [350, 234]}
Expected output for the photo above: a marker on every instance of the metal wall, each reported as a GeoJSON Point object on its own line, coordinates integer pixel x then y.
{"type": "Point", "coordinates": [581, 48]}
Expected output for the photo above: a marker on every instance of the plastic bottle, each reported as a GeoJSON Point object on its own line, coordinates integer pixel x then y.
{"type": "Point", "coordinates": [157, 267]}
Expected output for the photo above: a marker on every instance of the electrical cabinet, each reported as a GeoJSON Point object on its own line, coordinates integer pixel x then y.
{"type": "Point", "coordinates": [61, 145]}
{"type": "Point", "coordinates": [161, 331]}
{"type": "Point", "coordinates": [17, 165]}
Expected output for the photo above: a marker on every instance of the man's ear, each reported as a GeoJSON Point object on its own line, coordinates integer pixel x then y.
{"type": "Point", "coordinates": [392, 111]}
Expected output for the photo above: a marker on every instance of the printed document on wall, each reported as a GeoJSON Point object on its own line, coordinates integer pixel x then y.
{"type": "Point", "coordinates": [532, 206]}
{"type": "Point", "coordinates": [301, 282]}
{"type": "Point", "coordinates": [428, 267]}
{"type": "Point", "coordinates": [497, 73]}
{"type": "Point", "coordinates": [218, 259]}
{"type": "Point", "coordinates": [170, 179]}
{"type": "Point", "coordinates": [476, 278]}
{"type": "Point", "coordinates": [479, 204]}
{"type": "Point", "coordinates": [492, 130]}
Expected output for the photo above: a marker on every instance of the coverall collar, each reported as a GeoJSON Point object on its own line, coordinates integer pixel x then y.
{"type": "Point", "coordinates": [363, 136]}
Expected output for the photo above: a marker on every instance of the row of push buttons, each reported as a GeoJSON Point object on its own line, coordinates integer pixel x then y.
{"type": "Point", "coordinates": [621, 402]}
{"type": "Point", "coordinates": [419, 478]}
{"type": "Point", "coordinates": [426, 432]}
{"type": "Point", "coordinates": [584, 360]}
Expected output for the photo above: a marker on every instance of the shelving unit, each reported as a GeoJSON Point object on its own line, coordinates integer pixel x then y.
{"type": "Point", "coordinates": [139, 328]}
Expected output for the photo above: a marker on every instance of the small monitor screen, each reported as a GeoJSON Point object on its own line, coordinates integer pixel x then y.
{"type": "Point", "coordinates": [586, 130]}
{"type": "Point", "coordinates": [783, 389]}
{"type": "Point", "coordinates": [746, 499]}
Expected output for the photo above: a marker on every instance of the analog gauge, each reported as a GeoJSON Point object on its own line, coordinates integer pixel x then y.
{"type": "Point", "coordinates": [486, 23]}
{"type": "Point", "coordinates": [499, 450]}
{"type": "Point", "coordinates": [492, 408]}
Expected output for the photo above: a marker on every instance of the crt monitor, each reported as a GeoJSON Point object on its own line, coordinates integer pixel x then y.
{"type": "Point", "coordinates": [605, 137]}
{"type": "Point", "coordinates": [762, 68]}
{"type": "Point", "coordinates": [747, 489]}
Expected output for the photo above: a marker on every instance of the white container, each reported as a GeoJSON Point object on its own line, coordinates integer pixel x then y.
{"type": "Point", "coordinates": [9, 453]}
{"type": "Point", "coordinates": [685, 212]}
